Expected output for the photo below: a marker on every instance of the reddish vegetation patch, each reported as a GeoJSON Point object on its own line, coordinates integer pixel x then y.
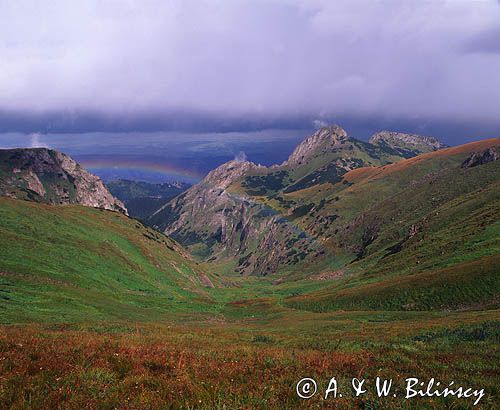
{"type": "Point", "coordinates": [360, 173]}
{"type": "Point", "coordinates": [69, 369]}
{"type": "Point", "coordinates": [213, 367]}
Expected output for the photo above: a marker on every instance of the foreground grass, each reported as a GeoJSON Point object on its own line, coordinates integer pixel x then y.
{"type": "Point", "coordinates": [224, 365]}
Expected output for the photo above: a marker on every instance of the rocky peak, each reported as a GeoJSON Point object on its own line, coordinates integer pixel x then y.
{"type": "Point", "coordinates": [224, 175]}
{"type": "Point", "coordinates": [406, 141]}
{"type": "Point", "coordinates": [45, 175]}
{"type": "Point", "coordinates": [324, 140]}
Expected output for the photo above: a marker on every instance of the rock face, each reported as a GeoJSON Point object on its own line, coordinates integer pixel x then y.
{"type": "Point", "coordinates": [407, 145]}
{"type": "Point", "coordinates": [223, 176]}
{"type": "Point", "coordinates": [48, 176]}
{"type": "Point", "coordinates": [481, 158]}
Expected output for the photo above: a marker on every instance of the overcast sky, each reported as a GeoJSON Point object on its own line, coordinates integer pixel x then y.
{"type": "Point", "coordinates": [316, 59]}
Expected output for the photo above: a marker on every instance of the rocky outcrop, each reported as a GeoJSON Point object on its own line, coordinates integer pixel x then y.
{"type": "Point", "coordinates": [406, 144]}
{"type": "Point", "coordinates": [224, 175]}
{"type": "Point", "coordinates": [48, 176]}
{"type": "Point", "coordinates": [481, 158]}
{"type": "Point", "coordinates": [322, 141]}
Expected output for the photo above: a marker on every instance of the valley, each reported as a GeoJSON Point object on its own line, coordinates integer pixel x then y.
{"type": "Point", "coordinates": [143, 198]}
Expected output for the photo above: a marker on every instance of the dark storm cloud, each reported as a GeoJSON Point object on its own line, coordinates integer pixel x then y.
{"type": "Point", "coordinates": [267, 61]}
{"type": "Point", "coordinates": [487, 41]}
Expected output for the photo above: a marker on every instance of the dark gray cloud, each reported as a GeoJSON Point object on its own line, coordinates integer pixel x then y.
{"type": "Point", "coordinates": [487, 41]}
{"type": "Point", "coordinates": [259, 59]}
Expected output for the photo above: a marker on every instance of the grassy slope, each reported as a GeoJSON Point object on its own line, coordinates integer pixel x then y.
{"type": "Point", "coordinates": [456, 211]}
{"type": "Point", "coordinates": [93, 279]}
{"type": "Point", "coordinates": [451, 258]}
{"type": "Point", "coordinates": [75, 263]}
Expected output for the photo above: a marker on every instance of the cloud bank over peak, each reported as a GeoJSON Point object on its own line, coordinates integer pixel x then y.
{"type": "Point", "coordinates": [436, 59]}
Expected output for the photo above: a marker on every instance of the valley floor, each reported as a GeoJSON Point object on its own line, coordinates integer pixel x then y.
{"type": "Point", "coordinates": [225, 362]}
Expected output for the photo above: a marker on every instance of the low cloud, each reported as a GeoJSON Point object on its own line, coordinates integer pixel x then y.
{"type": "Point", "coordinates": [240, 157]}
{"type": "Point", "coordinates": [36, 142]}
{"type": "Point", "coordinates": [317, 124]}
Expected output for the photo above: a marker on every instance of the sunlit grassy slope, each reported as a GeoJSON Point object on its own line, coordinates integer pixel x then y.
{"type": "Point", "coordinates": [73, 263]}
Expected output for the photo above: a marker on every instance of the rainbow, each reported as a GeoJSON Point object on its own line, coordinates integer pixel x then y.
{"type": "Point", "coordinates": [150, 165]}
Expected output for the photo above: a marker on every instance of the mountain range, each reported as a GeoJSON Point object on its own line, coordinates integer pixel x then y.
{"type": "Point", "coordinates": [263, 220]}
{"type": "Point", "coordinates": [400, 222]}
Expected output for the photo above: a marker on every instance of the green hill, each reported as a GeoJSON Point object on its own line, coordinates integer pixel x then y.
{"type": "Point", "coordinates": [97, 310]}
{"type": "Point", "coordinates": [419, 234]}
{"type": "Point", "coordinates": [74, 263]}
{"type": "Point", "coordinates": [422, 234]}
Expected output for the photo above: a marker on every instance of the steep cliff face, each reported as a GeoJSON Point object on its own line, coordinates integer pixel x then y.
{"type": "Point", "coordinates": [262, 217]}
{"type": "Point", "coordinates": [48, 176]}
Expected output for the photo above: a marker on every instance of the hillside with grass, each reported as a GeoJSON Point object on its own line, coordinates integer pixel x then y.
{"type": "Point", "coordinates": [80, 264]}
{"type": "Point", "coordinates": [419, 234]}
{"type": "Point", "coordinates": [422, 234]}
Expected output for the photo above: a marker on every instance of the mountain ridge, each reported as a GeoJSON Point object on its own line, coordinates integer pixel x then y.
{"type": "Point", "coordinates": [405, 143]}
{"type": "Point", "coordinates": [325, 138]}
